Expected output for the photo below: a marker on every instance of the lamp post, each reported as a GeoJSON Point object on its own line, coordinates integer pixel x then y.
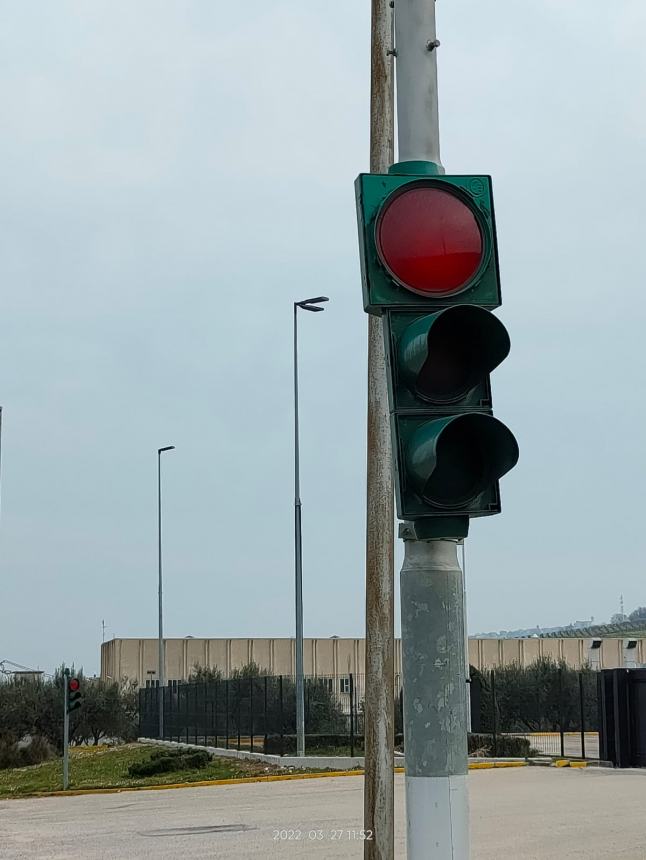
{"type": "Point", "coordinates": [162, 660]}
{"type": "Point", "coordinates": [306, 305]}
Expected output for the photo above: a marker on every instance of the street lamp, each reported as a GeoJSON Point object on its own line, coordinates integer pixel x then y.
{"type": "Point", "coordinates": [306, 305]}
{"type": "Point", "coordinates": [160, 697]}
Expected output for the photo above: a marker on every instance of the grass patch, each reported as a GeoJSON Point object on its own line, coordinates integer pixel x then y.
{"type": "Point", "coordinates": [107, 767]}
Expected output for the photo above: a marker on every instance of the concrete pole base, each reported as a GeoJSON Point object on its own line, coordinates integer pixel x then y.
{"type": "Point", "coordinates": [435, 730]}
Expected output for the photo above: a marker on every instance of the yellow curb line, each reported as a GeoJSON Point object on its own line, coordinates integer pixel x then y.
{"type": "Point", "coordinates": [76, 792]}
{"type": "Point", "coordinates": [562, 762]}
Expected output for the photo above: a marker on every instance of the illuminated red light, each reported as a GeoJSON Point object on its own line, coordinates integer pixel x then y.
{"type": "Point", "coordinates": [73, 685]}
{"type": "Point", "coordinates": [429, 240]}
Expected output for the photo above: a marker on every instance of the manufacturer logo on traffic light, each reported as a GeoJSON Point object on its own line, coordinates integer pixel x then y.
{"type": "Point", "coordinates": [429, 266]}
{"type": "Point", "coordinates": [73, 694]}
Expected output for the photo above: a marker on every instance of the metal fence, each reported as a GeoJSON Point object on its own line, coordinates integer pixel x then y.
{"type": "Point", "coordinates": [556, 711]}
{"type": "Point", "coordinates": [258, 713]}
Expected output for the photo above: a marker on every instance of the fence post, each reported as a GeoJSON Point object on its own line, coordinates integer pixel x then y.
{"type": "Point", "coordinates": [280, 700]}
{"type": "Point", "coordinates": [494, 710]}
{"type": "Point", "coordinates": [264, 718]}
{"type": "Point", "coordinates": [226, 718]}
{"type": "Point", "coordinates": [561, 732]}
{"type": "Point", "coordinates": [217, 686]}
{"type": "Point", "coordinates": [161, 693]}
{"type": "Point", "coordinates": [206, 737]}
{"type": "Point", "coordinates": [582, 713]}
{"type": "Point", "coordinates": [351, 714]}
{"type": "Point", "coordinates": [306, 715]}
{"type": "Point", "coordinates": [238, 710]}
{"type": "Point", "coordinates": [251, 711]}
{"type": "Point", "coordinates": [186, 709]}
{"type": "Point", "coordinates": [195, 687]}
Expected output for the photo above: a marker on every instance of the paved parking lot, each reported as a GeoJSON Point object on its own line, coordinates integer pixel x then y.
{"type": "Point", "coordinates": [517, 814]}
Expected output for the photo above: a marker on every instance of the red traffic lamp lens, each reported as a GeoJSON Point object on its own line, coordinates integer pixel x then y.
{"type": "Point", "coordinates": [73, 685]}
{"type": "Point", "coordinates": [429, 240]}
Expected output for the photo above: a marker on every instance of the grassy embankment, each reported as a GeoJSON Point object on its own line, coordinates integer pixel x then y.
{"type": "Point", "coordinates": [107, 767]}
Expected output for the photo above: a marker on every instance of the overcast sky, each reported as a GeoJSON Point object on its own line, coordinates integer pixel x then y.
{"type": "Point", "coordinates": [174, 174]}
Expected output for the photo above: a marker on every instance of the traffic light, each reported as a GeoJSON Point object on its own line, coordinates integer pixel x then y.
{"type": "Point", "coordinates": [429, 264]}
{"type": "Point", "coordinates": [73, 694]}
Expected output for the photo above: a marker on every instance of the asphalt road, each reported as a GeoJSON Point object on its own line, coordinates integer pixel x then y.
{"type": "Point", "coordinates": [517, 814]}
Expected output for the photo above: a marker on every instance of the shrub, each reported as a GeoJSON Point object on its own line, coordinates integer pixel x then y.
{"type": "Point", "coordinates": [506, 746]}
{"type": "Point", "coordinates": [170, 760]}
{"type": "Point", "coordinates": [195, 760]}
{"type": "Point", "coordinates": [31, 750]}
{"type": "Point", "coordinates": [162, 752]}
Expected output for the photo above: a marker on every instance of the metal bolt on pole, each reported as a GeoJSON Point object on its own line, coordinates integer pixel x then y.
{"type": "Point", "coordinates": [66, 730]}
{"type": "Point", "coordinates": [379, 670]}
{"type": "Point", "coordinates": [306, 305]}
{"type": "Point", "coordinates": [435, 731]}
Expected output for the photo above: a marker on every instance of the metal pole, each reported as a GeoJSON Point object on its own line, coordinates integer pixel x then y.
{"type": "Point", "coordinates": [435, 733]}
{"type": "Point", "coordinates": [160, 648]}
{"type": "Point", "coordinates": [561, 729]}
{"type": "Point", "coordinates": [582, 714]}
{"type": "Point", "coordinates": [66, 730]}
{"type": "Point", "coordinates": [306, 305]}
{"type": "Point", "coordinates": [432, 588]}
{"type": "Point", "coordinates": [298, 561]}
{"type": "Point", "coordinates": [467, 665]}
{"type": "Point", "coordinates": [0, 451]}
{"type": "Point", "coordinates": [418, 136]}
{"type": "Point", "coordinates": [494, 714]}
{"type": "Point", "coordinates": [379, 669]}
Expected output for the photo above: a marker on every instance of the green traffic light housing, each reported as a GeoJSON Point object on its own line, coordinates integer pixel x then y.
{"type": "Point", "coordinates": [429, 264]}
{"type": "Point", "coordinates": [441, 357]}
{"type": "Point", "coordinates": [453, 461]}
{"type": "Point", "coordinates": [426, 237]}
{"type": "Point", "coordinates": [73, 694]}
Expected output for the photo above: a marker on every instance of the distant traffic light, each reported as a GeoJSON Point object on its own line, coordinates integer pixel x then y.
{"type": "Point", "coordinates": [73, 694]}
{"type": "Point", "coordinates": [430, 267]}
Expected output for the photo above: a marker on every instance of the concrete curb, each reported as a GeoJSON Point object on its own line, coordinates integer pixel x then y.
{"type": "Point", "coordinates": [339, 763]}
{"type": "Point", "coordinates": [336, 763]}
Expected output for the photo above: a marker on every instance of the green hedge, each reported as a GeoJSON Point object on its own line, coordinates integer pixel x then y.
{"type": "Point", "coordinates": [505, 746]}
{"type": "Point", "coordinates": [170, 760]}
{"type": "Point", "coordinates": [275, 745]}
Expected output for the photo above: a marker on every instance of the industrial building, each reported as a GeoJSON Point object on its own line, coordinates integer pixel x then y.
{"type": "Point", "coordinates": [137, 659]}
